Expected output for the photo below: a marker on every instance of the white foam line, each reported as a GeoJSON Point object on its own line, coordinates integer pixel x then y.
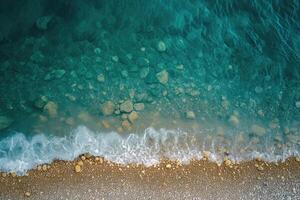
{"type": "Point", "coordinates": [19, 154]}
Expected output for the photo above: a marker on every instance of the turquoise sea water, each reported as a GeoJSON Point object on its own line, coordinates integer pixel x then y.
{"type": "Point", "coordinates": [136, 81]}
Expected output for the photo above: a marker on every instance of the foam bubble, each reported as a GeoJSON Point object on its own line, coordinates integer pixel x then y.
{"type": "Point", "coordinates": [19, 153]}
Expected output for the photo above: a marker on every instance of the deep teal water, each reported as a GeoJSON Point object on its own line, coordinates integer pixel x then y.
{"type": "Point", "coordinates": [219, 76]}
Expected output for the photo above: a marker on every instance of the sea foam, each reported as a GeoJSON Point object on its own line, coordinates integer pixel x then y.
{"type": "Point", "coordinates": [19, 153]}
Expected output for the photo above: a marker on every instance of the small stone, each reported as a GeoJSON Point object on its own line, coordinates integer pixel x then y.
{"type": "Point", "coordinates": [5, 122]}
{"type": "Point", "coordinates": [40, 102]}
{"type": "Point", "coordinates": [258, 89]}
{"type": "Point", "coordinates": [234, 120]}
{"type": "Point", "coordinates": [13, 174]}
{"type": "Point", "coordinates": [42, 22]}
{"type": "Point", "coordinates": [80, 163]}
{"type": "Point", "coordinates": [70, 121]}
{"type": "Point", "coordinates": [4, 174]}
{"type": "Point", "coordinates": [44, 168]}
{"type": "Point", "coordinates": [144, 72]}
{"type": "Point", "coordinates": [84, 116]}
{"type": "Point", "coordinates": [190, 115]}
{"type": "Point", "coordinates": [101, 78]}
{"type": "Point", "coordinates": [161, 46]}
{"type": "Point", "coordinates": [126, 106]}
{"type": "Point", "coordinates": [139, 106]}
{"type": "Point", "coordinates": [115, 58]}
{"type": "Point", "coordinates": [297, 104]}
{"type": "Point", "coordinates": [163, 77]}
{"type": "Point", "coordinates": [55, 74]}
{"type": "Point", "coordinates": [124, 116]}
{"type": "Point", "coordinates": [180, 67]}
{"type": "Point", "coordinates": [227, 162]}
{"type": "Point", "coordinates": [108, 108]}
{"type": "Point", "coordinates": [133, 116]}
{"type": "Point", "coordinates": [168, 166]}
{"type": "Point", "coordinates": [105, 124]}
{"type": "Point", "coordinates": [126, 124]}
{"type": "Point", "coordinates": [124, 73]}
{"type": "Point", "coordinates": [97, 51]}
{"type": "Point", "coordinates": [258, 130]}
{"type": "Point", "coordinates": [39, 168]}
{"type": "Point", "coordinates": [27, 194]}
{"type": "Point", "coordinates": [259, 167]}
{"type": "Point", "coordinates": [83, 158]}
{"type": "Point", "coordinates": [70, 97]}
{"type": "Point", "coordinates": [51, 109]}
{"type": "Point", "coordinates": [77, 168]}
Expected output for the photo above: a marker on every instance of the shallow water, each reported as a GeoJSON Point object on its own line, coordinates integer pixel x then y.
{"type": "Point", "coordinates": [218, 76]}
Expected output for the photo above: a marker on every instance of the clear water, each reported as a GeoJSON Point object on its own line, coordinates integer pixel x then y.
{"type": "Point", "coordinates": [218, 76]}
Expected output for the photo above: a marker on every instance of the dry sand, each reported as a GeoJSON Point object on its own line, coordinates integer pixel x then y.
{"type": "Point", "coordinates": [169, 180]}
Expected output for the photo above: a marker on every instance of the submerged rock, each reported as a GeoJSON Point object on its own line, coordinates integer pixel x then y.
{"type": "Point", "coordinates": [190, 115]}
{"type": "Point", "coordinates": [51, 109]}
{"type": "Point", "coordinates": [5, 122]}
{"type": "Point", "coordinates": [258, 130]}
{"type": "Point", "coordinates": [163, 77]}
{"type": "Point", "coordinates": [127, 106]}
{"type": "Point", "coordinates": [144, 72]}
{"type": "Point", "coordinates": [55, 74]}
{"type": "Point", "coordinates": [133, 116]}
{"type": "Point", "coordinates": [234, 120]}
{"type": "Point", "coordinates": [108, 108]}
{"type": "Point", "coordinates": [42, 22]}
{"type": "Point", "coordinates": [139, 106]}
{"type": "Point", "coordinates": [297, 104]}
{"type": "Point", "coordinates": [161, 46]}
{"type": "Point", "coordinates": [101, 78]}
{"type": "Point", "coordinates": [40, 102]}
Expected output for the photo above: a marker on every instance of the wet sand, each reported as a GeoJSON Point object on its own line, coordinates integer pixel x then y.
{"type": "Point", "coordinates": [169, 180]}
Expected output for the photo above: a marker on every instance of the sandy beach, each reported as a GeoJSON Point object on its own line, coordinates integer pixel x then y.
{"type": "Point", "coordinates": [98, 179]}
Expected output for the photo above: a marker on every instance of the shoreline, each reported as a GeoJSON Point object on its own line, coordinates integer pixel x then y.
{"type": "Point", "coordinates": [100, 179]}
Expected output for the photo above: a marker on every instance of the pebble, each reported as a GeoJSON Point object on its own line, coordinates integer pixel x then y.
{"type": "Point", "coordinates": [190, 115]}
{"type": "Point", "coordinates": [27, 194]}
{"type": "Point", "coordinates": [297, 104]}
{"type": "Point", "coordinates": [168, 166]}
{"type": "Point", "coordinates": [234, 120]}
{"type": "Point", "coordinates": [180, 66]}
{"type": "Point", "coordinates": [126, 106]}
{"type": "Point", "coordinates": [144, 72]}
{"type": "Point", "coordinates": [139, 106]}
{"type": "Point", "coordinates": [44, 168]}
{"type": "Point", "coordinates": [115, 58]}
{"type": "Point", "coordinates": [105, 124]}
{"type": "Point", "coordinates": [84, 116]}
{"type": "Point", "coordinates": [124, 116]}
{"type": "Point", "coordinates": [108, 108]}
{"type": "Point", "coordinates": [5, 122]}
{"type": "Point", "coordinates": [101, 78]}
{"type": "Point", "coordinates": [227, 162]}
{"type": "Point", "coordinates": [133, 116]}
{"type": "Point", "coordinates": [80, 163]}
{"type": "Point", "coordinates": [42, 22]}
{"type": "Point", "coordinates": [258, 130]}
{"type": "Point", "coordinates": [51, 109]}
{"type": "Point", "coordinates": [55, 74]}
{"type": "Point", "coordinates": [40, 102]}
{"type": "Point", "coordinates": [70, 97]}
{"type": "Point", "coordinates": [161, 46]}
{"type": "Point", "coordinates": [163, 77]}
{"type": "Point", "coordinates": [70, 121]}
{"type": "Point", "coordinates": [77, 168]}
{"type": "Point", "coordinates": [126, 124]}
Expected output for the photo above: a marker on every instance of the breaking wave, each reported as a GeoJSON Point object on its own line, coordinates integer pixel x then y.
{"type": "Point", "coordinates": [19, 153]}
